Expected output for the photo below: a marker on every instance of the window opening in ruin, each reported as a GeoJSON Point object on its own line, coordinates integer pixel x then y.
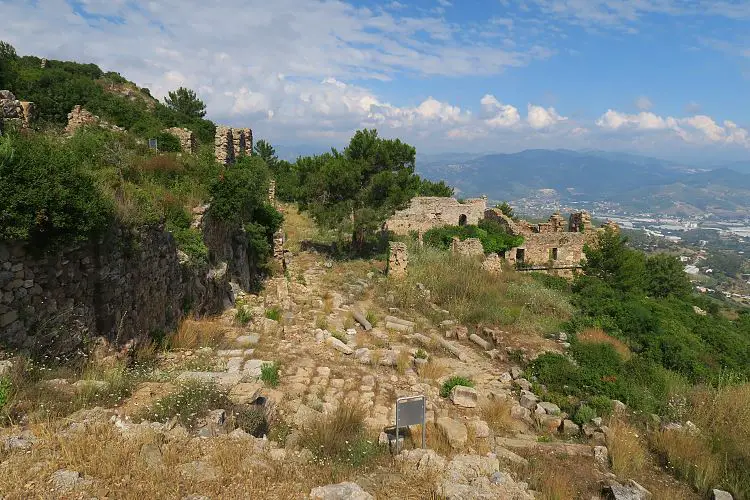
{"type": "Point", "coordinates": [462, 220]}
{"type": "Point", "coordinates": [520, 254]}
{"type": "Point", "coordinates": [553, 253]}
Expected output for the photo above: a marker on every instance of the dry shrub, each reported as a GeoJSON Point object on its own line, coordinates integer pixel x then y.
{"type": "Point", "coordinates": [403, 361]}
{"type": "Point", "coordinates": [160, 164]}
{"type": "Point", "coordinates": [197, 333]}
{"type": "Point", "coordinates": [555, 485]}
{"type": "Point", "coordinates": [436, 440]}
{"type": "Point", "coordinates": [496, 412]}
{"type": "Point", "coordinates": [690, 456]}
{"type": "Point", "coordinates": [336, 436]}
{"type": "Point", "coordinates": [626, 450]}
{"type": "Point", "coordinates": [599, 336]}
{"type": "Point", "coordinates": [434, 369]}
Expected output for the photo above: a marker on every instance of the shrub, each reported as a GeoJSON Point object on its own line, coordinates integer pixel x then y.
{"type": "Point", "coordinates": [46, 197]}
{"type": "Point", "coordinates": [420, 354]}
{"type": "Point", "coordinates": [599, 336]}
{"type": "Point", "coordinates": [584, 414]}
{"type": "Point", "coordinates": [269, 373]}
{"type": "Point", "coordinates": [4, 392]}
{"type": "Point", "coordinates": [243, 316]}
{"type": "Point", "coordinates": [496, 413]}
{"type": "Point", "coordinates": [341, 336]}
{"type": "Point", "coordinates": [371, 318]}
{"type": "Point", "coordinates": [626, 451]}
{"type": "Point", "coordinates": [252, 419]}
{"type": "Point", "coordinates": [166, 142]}
{"type": "Point", "coordinates": [191, 242]}
{"type": "Point", "coordinates": [192, 334]}
{"type": "Point", "coordinates": [193, 401]}
{"type": "Point", "coordinates": [602, 405]}
{"type": "Point", "coordinates": [273, 313]}
{"type": "Point", "coordinates": [455, 380]}
{"type": "Point", "coordinates": [340, 437]}
{"type": "Point", "coordinates": [493, 236]}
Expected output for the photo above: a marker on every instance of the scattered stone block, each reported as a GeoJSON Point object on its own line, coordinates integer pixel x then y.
{"type": "Point", "coordinates": [465, 397]}
{"type": "Point", "coordinates": [569, 428]}
{"type": "Point", "coordinates": [480, 341]}
{"type": "Point", "coordinates": [245, 393]}
{"type": "Point", "coordinates": [528, 400]}
{"type": "Point", "coordinates": [454, 431]}
{"type": "Point", "coordinates": [550, 408]}
{"type": "Point", "coordinates": [339, 345]}
{"type": "Point", "coordinates": [341, 491]}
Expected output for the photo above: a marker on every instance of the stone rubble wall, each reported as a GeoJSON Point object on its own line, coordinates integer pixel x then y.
{"type": "Point", "coordinates": [13, 111]}
{"type": "Point", "coordinates": [127, 285]}
{"type": "Point", "coordinates": [186, 137]}
{"type": "Point", "coordinates": [398, 260]}
{"type": "Point", "coordinates": [79, 117]}
{"type": "Point", "coordinates": [428, 212]}
{"type": "Point", "coordinates": [230, 143]}
{"type": "Point", "coordinates": [470, 247]}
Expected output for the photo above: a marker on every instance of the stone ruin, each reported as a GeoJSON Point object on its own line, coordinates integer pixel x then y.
{"type": "Point", "coordinates": [13, 111]}
{"type": "Point", "coordinates": [186, 137]}
{"type": "Point", "coordinates": [469, 247]}
{"type": "Point", "coordinates": [428, 212]}
{"type": "Point", "coordinates": [79, 117]}
{"type": "Point", "coordinates": [272, 193]}
{"type": "Point", "coordinates": [398, 260]}
{"type": "Point", "coordinates": [231, 143]}
{"type": "Point", "coordinates": [550, 246]}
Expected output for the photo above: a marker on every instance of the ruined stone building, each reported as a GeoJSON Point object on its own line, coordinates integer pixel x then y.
{"type": "Point", "coordinates": [555, 246]}
{"type": "Point", "coordinates": [549, 246]}
{"type": "Point", "coordinates": [231, 143]}
{"type": "Point", "coordinates": [13, 111]}
{"type": "Point", "coordinates": [428, 212]}
{"type": "Point", "coordinates": [188, 143]}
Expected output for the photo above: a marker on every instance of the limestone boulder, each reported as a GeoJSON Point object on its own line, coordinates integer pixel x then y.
{"type": "Point", "coordinates": [339, 345]}
{"type": "Point", "coordinates": [465, 397]}
{"type": "Point", "coordinates": [454, 431]}
{"type": "Point", "coordinates": [341, 491]}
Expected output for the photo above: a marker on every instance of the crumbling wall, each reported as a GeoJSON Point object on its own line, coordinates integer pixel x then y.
{"type": "Point", "coordinates": [186, 137]}
{"type": "Point", "coordinates": [79, 117]}
{"type": "Point", "coordinates": [428, 212]}
{"type": "Point", "coordinates": [398, 260]}
{"type": "Point", "coordinates": [231, 143]}
{"type": "Point", "coordinates": [13, 111]}
{"type": "Point", "coordinates": [469, 247]}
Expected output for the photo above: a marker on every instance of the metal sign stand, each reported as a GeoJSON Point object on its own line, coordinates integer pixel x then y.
{"type": "Point", "coordinates": [411, 410]}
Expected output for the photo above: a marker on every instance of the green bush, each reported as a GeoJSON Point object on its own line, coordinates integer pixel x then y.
{"type": "Point", "coordinates": [46, 196]}
{"type": "Point", "coordinates": [584, 414]}
{"type": "Point", "coordinates": [269, 373]}
{"type": "Point", "coordinates": [601, 404]}
{"type": "Point", "coordinates": [273, 313]}
{"type": "Point", "coordinates": [168, 143]}
{"type": "Point", "coordinates": [493, 236]}
{"type": "Point", "coordinates": [455, 380]}
{"type": "Point", "coordinates": [243, 316]}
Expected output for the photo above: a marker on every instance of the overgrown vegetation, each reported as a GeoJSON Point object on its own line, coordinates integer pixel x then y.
{"type": "Point", "coordinates": [448, 385]}
{"type": "Point", "coordinates": [191, 403]}
{"type": "Point", "coordinates": [494, 237]}
{"type": "Point", "coordinates": [269, 373]}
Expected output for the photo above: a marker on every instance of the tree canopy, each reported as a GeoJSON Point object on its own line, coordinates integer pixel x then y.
{"type": "Point", "coordinates": [185, 101]}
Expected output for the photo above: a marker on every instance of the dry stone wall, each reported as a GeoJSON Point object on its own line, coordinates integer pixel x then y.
{"type": "Point", "coordinates": [231, 143]}
{"type": "Point", "coordinates": [469, 247]}
{"type": "Point", "coordinates": [79, 117]}
{"type": "Point", "coordinates": [127, 285]}
{"type": "Point", "coordinates": [186, 137]}
{"type": "Point", "coordinates": [428, 212]}
{"type": "Point", "coordinates": [398, 260]}
{"type": "Point", "coordinates": [13, 111]}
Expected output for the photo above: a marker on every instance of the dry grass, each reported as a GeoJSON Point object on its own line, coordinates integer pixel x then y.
{"type": "Point", "coordinates": [555, 485]}
{"type": "Point", "coordinates": [403, 361]}
{"type": "Point", "coordinates": [496, 413]}
{"type": "Point", "coordinates": [337, 436]}
{"type": "Point", "coordinates": [474, 296]}
{"type": "Point", "coordinates": [599, 336]}
{"type": "Point", "coordinates": [437, 440]}
{"type": "Point", "coordinates": [690, 457]}
{"type": "Point", "coordinates": [559, 476]}
{"type": "Point", "coordinates": [626, 450]}
{"type": "Point", "coordinates": [193, 334]}
{"type": "Point", "coordinates": [434, 369]}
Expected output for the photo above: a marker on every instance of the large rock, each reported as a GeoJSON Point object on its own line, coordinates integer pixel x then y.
{"type": "Point", "coordinates": [67, 480]}
{"type": "Point", "coordinates": [245, 393]}
{"type": "Point", "coordinates": [464, 396]}
{"type": "Point", "coordinates": [422, 460]}
{"type": "Point", "coordinates": [629, 491]}
{"type": "Point", "coordinates": [339, 345]}
{"type": "Point", "coordinates": [454, 431]}
{"type": "Point", "coordinates": [480, 341]}
{"type": "Point", "coordinates": [528, 400]}
{"type": "Point", "coordinates": [549, 408]}
{"type": "Point", "coordinates": [341, 491]}
{"type": "Point", "coordinates": [721, 495]}
{"type": "Point", "coordinates": [569, 428]}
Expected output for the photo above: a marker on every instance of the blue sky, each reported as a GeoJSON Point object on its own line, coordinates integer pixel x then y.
{"type": "Point", "coordinates": [662, 77]}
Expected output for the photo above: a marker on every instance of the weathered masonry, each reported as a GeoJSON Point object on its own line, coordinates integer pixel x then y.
{"type": "Point", "coordinates": [231, 143]}
{"type": "Point", "coordinates": [550, 246]}
{"type": "Point", "coordinates": [428, 212]}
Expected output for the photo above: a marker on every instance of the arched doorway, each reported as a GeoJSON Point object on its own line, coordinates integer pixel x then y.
{"type": "Point", "coordinates": [462, 220]}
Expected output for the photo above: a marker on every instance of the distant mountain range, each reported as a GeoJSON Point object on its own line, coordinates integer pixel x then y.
{"type": "Point", "coordinates": [636, 182]}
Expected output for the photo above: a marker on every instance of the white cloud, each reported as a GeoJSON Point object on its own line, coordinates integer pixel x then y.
{"type": "Point", "coordinates": [693, 129]}
{"type": "Point", "coordinates": [498, 114]}
{"type": "Point", "coordinates": [542, 118]}
{"type": "Point", "coordinates": [643, 103]}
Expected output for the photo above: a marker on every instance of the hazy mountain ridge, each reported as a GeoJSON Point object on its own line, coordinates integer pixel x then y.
{"type": "Point", "coordinates": [635, 181]}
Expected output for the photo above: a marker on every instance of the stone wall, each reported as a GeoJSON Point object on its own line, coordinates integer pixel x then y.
{"type": "Point", "coordinates": [13, 111]}
{"type": "Point", "coordinates": [398, 260]}
{"type": "Point", "coordinates": [231, 143]}
{"type": "Point", "coordinates": [186, 137]}
{"type": "Point", "coordinates": [428, 212]}
{"type": "Point", "coordinates": [469, 247]}
{"type": "Point", "coordinates": [79, 117]}
{"type": "Point", "coordinates": [127, 285]}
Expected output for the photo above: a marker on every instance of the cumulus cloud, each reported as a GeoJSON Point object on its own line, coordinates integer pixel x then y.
{"type": "Point", "coordinates": [693, 129]}
{"type": "Point", "coordinates": [498, 114]}
{"type": "Point", "coordinates": [542, 118]}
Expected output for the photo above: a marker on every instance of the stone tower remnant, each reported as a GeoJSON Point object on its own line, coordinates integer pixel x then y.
{"type": "Point", "coordinates": [231, 143]}
{"type": "Point", "coordinates": [398, 260]}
